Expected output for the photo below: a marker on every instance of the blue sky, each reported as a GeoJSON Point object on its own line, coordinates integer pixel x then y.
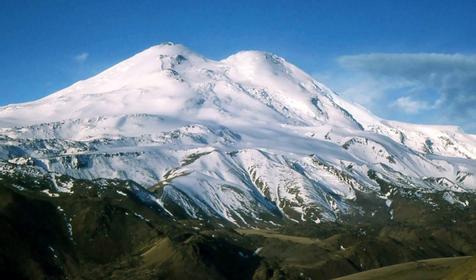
{"type": "Point", "coordinates": [404, 60]}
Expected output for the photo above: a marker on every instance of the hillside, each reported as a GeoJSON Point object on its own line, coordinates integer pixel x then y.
{"type": "Point", "coordinates": [169, 163]}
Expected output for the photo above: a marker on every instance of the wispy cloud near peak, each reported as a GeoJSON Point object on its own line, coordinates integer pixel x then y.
{"type": "Point", "coordinates": [410, 105]}
{"type": "Point", "coordinates": [82, 57]}
{"type": "Point", "coordinates": [442, 86]}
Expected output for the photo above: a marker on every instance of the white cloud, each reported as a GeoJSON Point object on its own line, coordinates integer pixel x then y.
{"type": "Point", "coordinates": [363, 88]}
{"type": "Point", "coordinates": [410, 105]}
{"type": "Point", "coordinates": [443, 84]}
{"type": "Point", "coordinates": [82, 57]}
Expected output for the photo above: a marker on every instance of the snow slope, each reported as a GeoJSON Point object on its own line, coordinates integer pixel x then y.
{"type": "Point", "coordinates": [251, 137]}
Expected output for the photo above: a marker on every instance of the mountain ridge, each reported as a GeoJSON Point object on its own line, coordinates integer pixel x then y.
{"type": "Point", "coordinates": [239, 139]}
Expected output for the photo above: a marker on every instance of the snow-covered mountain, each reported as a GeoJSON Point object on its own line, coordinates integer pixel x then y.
{"type": "Point", "coordinates": [247, 138]}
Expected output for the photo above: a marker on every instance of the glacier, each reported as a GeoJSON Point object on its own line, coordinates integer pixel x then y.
{"type": "Point", "coordinates": [244, 139]}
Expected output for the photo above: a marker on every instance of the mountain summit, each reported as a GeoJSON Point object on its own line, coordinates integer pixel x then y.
{"type": "Point", "coordinates": [240, 139]}
{"type": "Point", "coordinates": [170, 80]}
